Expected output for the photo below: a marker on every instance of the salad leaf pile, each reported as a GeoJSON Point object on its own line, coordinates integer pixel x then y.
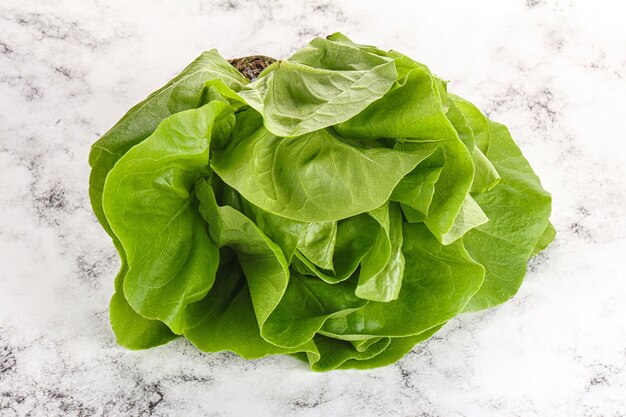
{"type": "Point", "coordinates": [339, 208]}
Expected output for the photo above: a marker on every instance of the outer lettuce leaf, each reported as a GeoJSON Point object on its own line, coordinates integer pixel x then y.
{"type": "Point", "coordinates": [518, 209]}
{"type": "Point", "coordinates": [397, 348]}
{"type": "Point", "coordinates": [132, 330]}
{"type": "Point", "coordinates": [181, 93]}
{"type": "Point", "coordinates": [147, 200]}
{"type": "Point", "coordinates": [334, 353]}
{"type": "Point", "coordinates": [363, 345]}
{"type": "Point", "coordinates": [546, 238]}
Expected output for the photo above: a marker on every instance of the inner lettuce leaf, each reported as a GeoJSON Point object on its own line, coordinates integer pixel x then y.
{"type": "Point", "coordinates": [339, 208]}
{"type": "Point", "coordinates": [323, 84]}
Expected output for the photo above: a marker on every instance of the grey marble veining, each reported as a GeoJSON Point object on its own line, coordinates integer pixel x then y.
{"type": "Point", "coordinates": [554, 71]}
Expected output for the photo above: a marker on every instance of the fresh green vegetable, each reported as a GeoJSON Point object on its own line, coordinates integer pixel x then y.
{"type": "Point", "coordinates": [340, 208]}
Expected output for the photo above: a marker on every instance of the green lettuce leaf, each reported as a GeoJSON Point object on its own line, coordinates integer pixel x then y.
{"type": "Point", "coordinates": [148, 199]}
{"type": "Point", "coordinates": [518, 209]}
{"type": "Point", "coordinates": [439, 280]}
{"type": "Point", "coordinates": [315, 177]}
{"type": "Point", "coordinates": [323, 84]}
{"type": "Point", "coordinates": [181, 93]}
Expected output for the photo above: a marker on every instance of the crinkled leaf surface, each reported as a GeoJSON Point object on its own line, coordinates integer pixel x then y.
{"type": "Point", "coordinates": [148, 202]}
{"type": "Point", "coordinates": [439, 280]}
{"type": "Point", "coordinates": [518, 209]}
{"type": "Point", "coordinates": [323, 84]}
{"type": "Point", "coordinates": [181, 93]}
{"type": "Point", "coordinates": [315, 177]}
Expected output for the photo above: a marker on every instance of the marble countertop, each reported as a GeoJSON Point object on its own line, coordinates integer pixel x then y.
{"type": "Point", "coordinates": [554, 71]}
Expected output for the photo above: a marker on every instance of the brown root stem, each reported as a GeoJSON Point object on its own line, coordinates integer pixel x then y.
{"type": "Point", "coordinates": [251, 66]}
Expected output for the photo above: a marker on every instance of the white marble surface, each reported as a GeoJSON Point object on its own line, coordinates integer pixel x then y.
{"type": "Point", "coordinates": [553, 70]}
